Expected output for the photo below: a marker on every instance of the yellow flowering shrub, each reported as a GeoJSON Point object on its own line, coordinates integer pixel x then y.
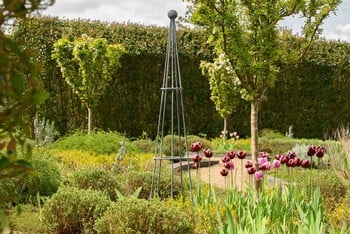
{"type": "Point", "coordinates": [76, 159]}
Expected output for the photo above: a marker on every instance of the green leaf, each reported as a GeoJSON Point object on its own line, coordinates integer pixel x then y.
{"type": "Point", "coordinates": [17, 83]}
{"type": "Point", "coordinates": [40, 96]}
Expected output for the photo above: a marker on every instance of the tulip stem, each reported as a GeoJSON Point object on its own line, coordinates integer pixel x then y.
{"type": "Point", "coordinates": [209, 169]}
{"type": "Point", "coordinates": [242, 175]}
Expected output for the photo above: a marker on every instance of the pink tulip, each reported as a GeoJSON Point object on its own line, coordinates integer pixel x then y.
{"type": "Point", "coordinates": [276, 163]}
{"type": "Point", "coordinates": [259, 175]}
{"type": "Point", "coordinates": [262, 160]}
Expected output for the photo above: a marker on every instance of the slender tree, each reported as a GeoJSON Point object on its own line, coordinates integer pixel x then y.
{"type": "Point", "coordinates": [224, 87]}
{"type": "Point", "coordinates": [87, 64]}
{"type": "Point", "coordinates": [246, 32]}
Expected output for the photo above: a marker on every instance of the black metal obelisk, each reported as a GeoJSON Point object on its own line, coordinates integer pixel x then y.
{"type": "Point", "coordinates": [171, 122]}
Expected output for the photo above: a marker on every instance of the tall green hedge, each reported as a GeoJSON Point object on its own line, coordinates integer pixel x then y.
{"type": "Point", "coordinates": [312, 96]}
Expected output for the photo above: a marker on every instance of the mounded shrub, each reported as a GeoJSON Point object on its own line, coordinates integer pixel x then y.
{"type": "Point", "coordinates": [190, 139]}
{"type": "Point", "coordinates": [73, 210]}
{"type": "Point", "coordinates": [24, 188]}
{"type": "Point", "coordinates": [136, 179]}
{"type": "Point", "coordinates": [132, 215]}
{"type": "Point", "coordinates": [98, 142]}
{"type": "Point", "coordinates": [95, 179]}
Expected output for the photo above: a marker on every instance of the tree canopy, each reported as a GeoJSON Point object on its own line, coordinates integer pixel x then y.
{"type": "Point", "coordinates": [87, 65]}
{"type": "Point", "coordinates": [246, 32]}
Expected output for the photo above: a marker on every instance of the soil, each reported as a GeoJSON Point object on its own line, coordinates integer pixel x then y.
{"type": "Point", "coordinates": [240, 177]}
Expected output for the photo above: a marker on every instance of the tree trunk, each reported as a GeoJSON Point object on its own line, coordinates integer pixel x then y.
{"type": "Point", "coordinates": [89, 120]}
{"type": "Point", "coordinates": [254, 110]}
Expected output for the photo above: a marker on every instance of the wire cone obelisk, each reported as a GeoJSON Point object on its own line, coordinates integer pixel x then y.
{"type": "Point", "coordinates": [171, 126]}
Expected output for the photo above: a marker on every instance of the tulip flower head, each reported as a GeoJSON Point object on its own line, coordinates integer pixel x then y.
{"type": "Point", "coordinates": [248, 164]}
{"type": "Point", "coordinates": [207, 153]}
{"type": "Point", "coordinates": [229, 165]}
{"type": "Point", "coordinates": [311, 151]}
{"type": "Point", "coordinates": [231, 154]}
{"type": "Point", "coordinates": [259, 175]}
{"type": "Point", "coordinates": [305, 163]}
{"type": "Point", "coordinates": [224, 172]}
{"type": "Point", "coordinates": [196, 146]}
{"type": "Point", "coordinates": [241, 154]}
{"type": "Point", "coordinates": [251, 170]}
{"type": "Point", "coordinates": [225, 159]}
{"type": "Point", "coordinates": [320, 151]}
{"type": "Point", "coordinates": [196, 158]}
{"type": "Point", "coordinates": [262, 160]}
{"type": "Point", "coordinates": [276, 163]}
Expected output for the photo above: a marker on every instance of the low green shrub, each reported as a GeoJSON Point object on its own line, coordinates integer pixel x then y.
{"type": "Point", "coordinates": [105, 181]}
{"type": "Point", "coordinates": [177, 146]}
{"type": "Point", "coordinates": [73, 210]}
{"type": "Point", "coordinates": [145, 145]}
{"type": "Point", "coordinates": [98, 142]}
{"type": "Point", "coordinates": [135, 179]}
{"type": "Point", "coordinates": [132, 215]}
{"type": "Point", "coordinates": [23, 188]}
{"type": "Point", "coordinates": [26, 219]}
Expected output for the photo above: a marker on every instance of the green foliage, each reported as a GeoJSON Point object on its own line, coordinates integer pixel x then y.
{"type": "Point", "coordinates": [87, 65]}
{"type": "Point", "coordinates": [297, 98]}
{"type": "Point", "coordinates": [73, 210]}
{"type": "Point", "coordinates": [135, 179]}
{"type": "Point", "coordinates": [145, 145]}
{"type": "Point", "coordinates": [181, 145]}
{"type": "Point", "coordinates": [24, 188]}
{"type": "Point", "coordinates": [98, 142]}
{"type": "Point", "coordinates": [223, 85]}
{"type": "Point", "coordinates": [96, 179]}
{"type": "Point", "coordinates": [27, 219]}
{"type": "Point", "coordinates": [132, 215]}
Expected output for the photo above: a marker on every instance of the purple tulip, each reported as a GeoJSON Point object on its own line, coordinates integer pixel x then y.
{"type": "Point", "coordinates": [224, 172]}
{"type": "Point", "coordinates": [196, 147]}
{"type": "Point", "coordinates": [311, 151]}
{"type": "Point", "coordinates": [278, 157]}
{"type": "Point", "coordinates": [225, 159]}
{"type": "Point", "coordinates": [248, 164]}
{"type": "Point", "coordinates": [251, 170]}
{"type": "Point", "coordinates": [241, 154]}
{"type": "Point", "coordinates": [305, 163]}
{"type": "Point", "coordinates": [207, 153]}
{"type": "Point", "coordinates": [197, 158]}
{"type": "Point", "coordinates": [259, 175]}
{"type": "Point", "coordinates": [231, 154]}
{"type": "Point", "coordinates": [229, 165]}
{"type": "Point", "coordinates": [320, 151]}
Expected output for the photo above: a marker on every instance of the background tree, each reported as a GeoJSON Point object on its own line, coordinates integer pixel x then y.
{"type": "Point", "coordinates": [224, 87]}
{"type": "Point", "coordinates": [247, 33]}
{"type": "Point", "coordinates": [87, 65]}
